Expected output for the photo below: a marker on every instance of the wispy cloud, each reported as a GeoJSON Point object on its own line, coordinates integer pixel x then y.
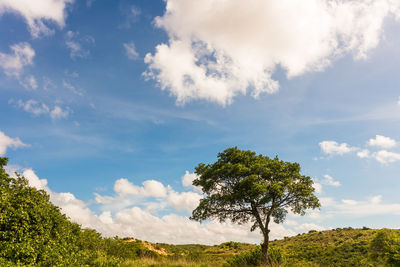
{"type": "Point", "coordinates": [13, 64]}
{"type": "Point", "coordinates": [36, 108]}
{"type": "Point", "coordinates": [130, 51]}
{"type": "Point", "coordinates": [78, 45]}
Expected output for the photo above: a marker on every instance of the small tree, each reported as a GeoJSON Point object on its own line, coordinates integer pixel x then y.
{"type": "Point", "coordinates": [242, 186]}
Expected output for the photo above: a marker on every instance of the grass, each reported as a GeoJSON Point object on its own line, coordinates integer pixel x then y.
{"type": "Point", "coordinates": [338, 247]}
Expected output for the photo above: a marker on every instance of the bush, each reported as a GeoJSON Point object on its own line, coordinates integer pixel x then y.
{"type": "Point", "coordinates": [33, 230]}
{"type": "Point", "coordinates": [385, 248]}
{"type": "Point", "coordinates": [254, 257]}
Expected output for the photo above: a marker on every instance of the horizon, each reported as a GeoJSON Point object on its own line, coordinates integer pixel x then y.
{"type": "Point", "coordinates": [110, 105]}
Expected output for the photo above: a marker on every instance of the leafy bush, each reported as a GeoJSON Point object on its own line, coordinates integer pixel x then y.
{"type": "Point", "coordinates": [385, 248]}
{"type": "Point", "coordinates": [254, 257]}
{"type": "Point", "coordinates": [34, 232]}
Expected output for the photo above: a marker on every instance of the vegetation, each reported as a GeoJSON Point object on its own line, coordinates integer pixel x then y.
{"type": "Point", "coordinates": [33, 232]}
{"type": "Point", "coordinates": [243, 186]}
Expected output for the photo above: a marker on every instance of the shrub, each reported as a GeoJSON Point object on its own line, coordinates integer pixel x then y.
{"type": "Point", "coordinates": [254, 257]}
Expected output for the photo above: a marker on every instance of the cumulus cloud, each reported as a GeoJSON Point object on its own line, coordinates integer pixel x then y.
{"type": "Point", "coordinates": [130, 51]}
{"type": "Point", "coordinates": [185, 201]}
{"type": "Point", "coordinates": [129, 193]}
{"type": "Point", "coordinates": [6, 142]}
{"type": "Point", "coordinates": [13, 64]}
{"type": "Point", "coordinates": [385, 157]}
{"type": "Point", "coordinates": [334, 148]}
{"type": "Point", "coordinates": [38, 14]}
{"type": "Point", "coordinates": [220, 49]}
{"type": "Point", "coordinates": [187, 181]}
{"type": "Point", "coordinates": [78, 45]}
{"type": "Point", "coordinates": [36, 108]}
{"type": "Point", "coordinates": [330, 181]}
{"type": "Point", "coordinates": [382, 142]}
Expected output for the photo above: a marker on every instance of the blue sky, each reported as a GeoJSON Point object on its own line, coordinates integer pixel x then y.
{"type": "Point", "coordinates": [109, 106]}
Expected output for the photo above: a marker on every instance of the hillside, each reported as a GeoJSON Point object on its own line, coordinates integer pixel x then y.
{"type": "Point", "coordinates": [338, 247]}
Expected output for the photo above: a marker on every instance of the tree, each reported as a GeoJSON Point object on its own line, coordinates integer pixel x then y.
{"type": "Point", "coordinates": [242, 187]}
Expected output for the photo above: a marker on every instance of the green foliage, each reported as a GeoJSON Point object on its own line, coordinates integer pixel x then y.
{"type": "Point", "coordinates": [241, 180]}
{"type": "Point", "coordinates": [254, 258]}
{"type": "Point", "coordinates": [385, 248]}
{"type": "Point", "coordinates": [32, 230]}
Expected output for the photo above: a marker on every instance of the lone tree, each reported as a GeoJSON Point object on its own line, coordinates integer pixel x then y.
{"type": "Point", "coordinates": [243, 186]}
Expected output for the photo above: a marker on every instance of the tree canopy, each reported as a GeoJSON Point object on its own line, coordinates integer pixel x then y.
{"type": "Point", "coordinates": [242, 187]}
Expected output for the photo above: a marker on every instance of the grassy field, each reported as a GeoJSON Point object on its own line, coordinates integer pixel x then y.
{"type": "Point", "coordinates": [339, 247]}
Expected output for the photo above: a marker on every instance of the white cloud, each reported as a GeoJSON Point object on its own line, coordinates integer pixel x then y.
{"type": "Point", "coordinates": [77, 45]}
{"type": "Point", "coordinates": [185, 201]}
{"type": "Point", "coordinates": [386, 157]}
{"type": "Point", "coordinates": [58, 113]}
{"type": "Point", "coordinates": [6, 142]}
{"type": "Point", "coordinates": [382, 156]}
{"type": "Point", "coordinates": [34, 180]}
{"type": "Point", "coordinates": [36, 108]}
{"type": "Point", "coordinates": [128, 193]}
{"type": "Point", "coordinates": [330, 181]}
{"type": "Point", "coordinates": [36, 13]}
{"type": "Point", "coordinates": [373, 206]}
{"type": "Point", "coordinates": [220, 49]}
{"type": "Point", "coordinates": [333, 148]}
{"type": "Point", "coordinates": [187, 181]}
{"type": "Point", "coordinates": [382, 142]}
{"type": "Point", "coordinates": [13, 64]}
{"type": "Point", "coordinates": [363, 153]}
{"type": "Point", "coordinates": [153, 188]}
{"type": "Point", "coordinates": [317, 187]}
{"type": "Point", "coordinates": [124, 187]}
{"type": "Point", "coordinates": [130, 51]}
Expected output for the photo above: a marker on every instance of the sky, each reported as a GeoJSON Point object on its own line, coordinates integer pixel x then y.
{"type": "Point", "coordinates": [110, 105]}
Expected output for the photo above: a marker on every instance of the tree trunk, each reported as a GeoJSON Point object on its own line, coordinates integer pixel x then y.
{"type": "Point", "coordinates": [264, 248]}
